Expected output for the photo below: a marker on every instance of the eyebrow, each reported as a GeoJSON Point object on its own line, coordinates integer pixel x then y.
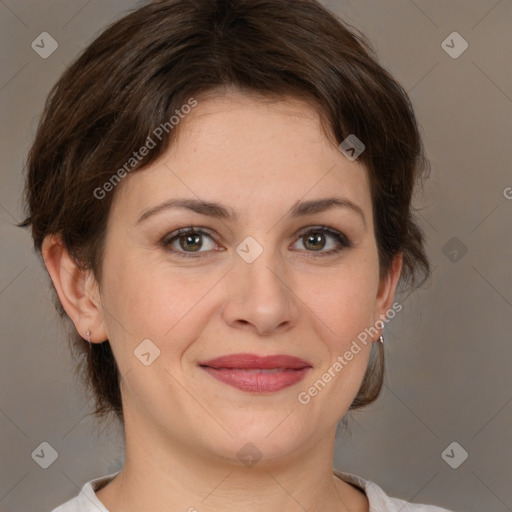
{"type": "Point", "coordinates": [217, 210]}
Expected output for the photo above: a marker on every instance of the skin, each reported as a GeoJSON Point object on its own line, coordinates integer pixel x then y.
{"type": "Point", "coordinates": [184, 428]}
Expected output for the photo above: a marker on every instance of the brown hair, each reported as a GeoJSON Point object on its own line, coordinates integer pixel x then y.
{"type": "Point", "coordinates": [143, 68]}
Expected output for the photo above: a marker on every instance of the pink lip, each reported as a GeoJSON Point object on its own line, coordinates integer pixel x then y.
{"type": "Point", "coordinates": [245, 371]}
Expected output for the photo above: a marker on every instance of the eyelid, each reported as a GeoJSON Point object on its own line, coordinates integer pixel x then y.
{"type": "Point", "coordinates": [170, 237]}
{"type": "Point", "coordinates": [340, 238]}
{"type": "Point", "coordinates": [325, 229]}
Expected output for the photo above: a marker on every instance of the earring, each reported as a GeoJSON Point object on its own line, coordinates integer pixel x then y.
{"type": "Point", "coordinates": [381, 339]}
{"type": "Point", "coordinates": [88, 334]}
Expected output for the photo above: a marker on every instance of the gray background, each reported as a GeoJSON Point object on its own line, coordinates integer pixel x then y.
{"type": "Point", "coordinates": [448, 352]}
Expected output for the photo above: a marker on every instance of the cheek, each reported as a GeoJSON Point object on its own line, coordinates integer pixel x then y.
{"type": "Point", "coordinates": [342, 302]}
{"type": "Point", "coordinates": [161, 304]}
{"type": "Point", "coordinates": [342, 309]}
{"type": "Point", "coordinates": [148, 299]}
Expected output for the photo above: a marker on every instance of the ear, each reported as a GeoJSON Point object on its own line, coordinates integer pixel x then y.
{"type": "Point", "coordinates": [78, 290]}
{"type": "Point", "coordinates": [387, 288]}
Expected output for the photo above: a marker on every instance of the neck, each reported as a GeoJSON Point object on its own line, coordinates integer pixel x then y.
{"type": "Point", "coordinates": [161, 475]}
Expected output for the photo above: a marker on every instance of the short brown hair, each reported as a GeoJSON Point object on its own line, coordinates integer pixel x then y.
{"type": "Point", "coordinates": [145, 66]}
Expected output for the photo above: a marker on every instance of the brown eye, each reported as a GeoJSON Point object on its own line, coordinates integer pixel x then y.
{"type": "Point", "coordinates": [190, 241]}
{"type": "Point", "coordinates": [314, 241]}
{"type": "Point", "coordinates": [317, 239]}
{"type": "Point", "coordinates": [187, 241]}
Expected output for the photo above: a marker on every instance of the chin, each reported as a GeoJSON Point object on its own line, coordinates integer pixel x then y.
{"type": "Point", "coordinates": [257, 442]}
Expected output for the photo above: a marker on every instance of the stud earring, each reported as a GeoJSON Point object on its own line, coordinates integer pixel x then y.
{"type": "Point", "coordinates": [88, 334]}
{"type": "Point", "coordinates": [381, 339]}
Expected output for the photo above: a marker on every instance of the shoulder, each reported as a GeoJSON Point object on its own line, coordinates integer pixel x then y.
{"type": "Point", "coordinates": [73, 505]}
{"type": "Point", "coordinates": [87, 501]}
{"type": "Point", "coordinates": [405, 506]}
{"type": "Point", "coordinates": [380, 501]}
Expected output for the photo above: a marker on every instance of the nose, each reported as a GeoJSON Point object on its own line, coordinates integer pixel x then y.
{"type": "Point", "coordinates": [260, 295]}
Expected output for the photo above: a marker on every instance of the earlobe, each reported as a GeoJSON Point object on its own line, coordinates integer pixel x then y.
{"type": "Point", "coordinates": [76, 288]}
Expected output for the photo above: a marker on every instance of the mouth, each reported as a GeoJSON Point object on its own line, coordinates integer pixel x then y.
{"type": "Point", "coordinates": [257, 374]}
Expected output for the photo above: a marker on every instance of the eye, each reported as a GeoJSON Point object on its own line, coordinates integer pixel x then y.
{"type": "Point", "coordinates": [314, 240]}
{"type": "Point", "coordinates": [186, 241]}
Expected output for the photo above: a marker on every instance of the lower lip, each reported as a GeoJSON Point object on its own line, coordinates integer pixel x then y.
{"type": "Point", "coordinates": [257, 382]}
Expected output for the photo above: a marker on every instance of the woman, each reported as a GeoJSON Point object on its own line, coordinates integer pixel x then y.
{"type": "Point", "coordinates": [221, 194]}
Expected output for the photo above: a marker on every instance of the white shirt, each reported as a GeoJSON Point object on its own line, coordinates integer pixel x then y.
{"type": "Point", "coordinates": [87, 501]}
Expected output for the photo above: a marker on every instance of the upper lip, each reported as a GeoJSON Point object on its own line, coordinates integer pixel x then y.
{"type": "Point", "coordinates": [253, 361]}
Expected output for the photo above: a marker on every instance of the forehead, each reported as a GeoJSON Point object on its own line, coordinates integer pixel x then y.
{"type": "Point", "coordinates": [251, 153]}
{"type": "Point", "coordinates": [252, 116]}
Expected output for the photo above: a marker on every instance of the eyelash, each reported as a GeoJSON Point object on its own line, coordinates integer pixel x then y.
{"type": "Point", "coordinates": [342, 241]}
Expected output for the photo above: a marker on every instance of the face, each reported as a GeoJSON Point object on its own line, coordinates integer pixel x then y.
{"type": "Point", "coordinates": [266, 278]}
